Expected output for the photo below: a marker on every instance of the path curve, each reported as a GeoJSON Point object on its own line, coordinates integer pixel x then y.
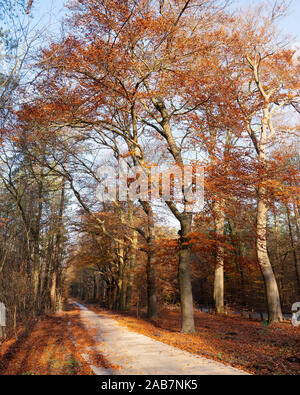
{"type": "Point", "coordinates": [137, 354]}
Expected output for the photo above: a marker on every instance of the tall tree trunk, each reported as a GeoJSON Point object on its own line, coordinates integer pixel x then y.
{"type": "Point", "coordinates": [185, 219]}
{"type": "Point", "coordinates": [238, 253]}
{"type": "Point", "coordinates": [219, 218]}
{"type": "Point", "coordinates": [94, 288]}
{"type": "Point", "coordinates": [297, 221]}
{"type": "Point", "coordinates": [115, 298]}
{"type": "Point", "coordinates": [120, 288]}
{"type": "Point", "coordinates": [132, 259]}
{"type": "Point", "coordinates": [36, 247]}
{"type": "Point", "coordinates": [272, 293]}
{"type": "Point", "coordinates": [57, 252]}
{"type": "Point", "coordinates": [184, 277]}
{"type": "Point", "coordinates": [278, 259]}
{"type": "Point", "coordinates": [151, 288]}
{"type": "Point", "coordinates": [110, 296]}
{"type": "Point", "coordinates": [150, 236]}
{"type": "Point", "coordinates": [130, 275]}
{"type": "Point", "coordinates": [296, 262]}
{"type": "Point", "coordinates": [150, 269]}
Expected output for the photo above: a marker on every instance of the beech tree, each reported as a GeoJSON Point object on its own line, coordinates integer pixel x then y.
{"type": "Point", "coordinates": [271, 76]}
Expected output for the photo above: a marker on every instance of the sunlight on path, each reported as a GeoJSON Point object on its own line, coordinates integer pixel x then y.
{"type": "Point", "coordinates": [139, 354]}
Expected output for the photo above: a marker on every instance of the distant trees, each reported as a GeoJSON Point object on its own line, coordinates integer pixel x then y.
{"type": "Point", "coordinates": [32, 232]}
{"type": "Point", "coordinates": [33, 199]}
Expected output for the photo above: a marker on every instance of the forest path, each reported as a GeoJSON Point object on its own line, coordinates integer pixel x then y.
{"type": "Point", "coordinates": [140, 355]}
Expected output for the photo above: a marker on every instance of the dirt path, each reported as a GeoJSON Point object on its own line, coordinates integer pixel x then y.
{"type": "Point", "coordinates": [140, 355]}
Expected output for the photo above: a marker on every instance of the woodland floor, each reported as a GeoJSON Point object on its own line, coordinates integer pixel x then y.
{"type": "Point", "coordinates": [249, 345]}
{"type": "Point", "coordinates": [46, 348]}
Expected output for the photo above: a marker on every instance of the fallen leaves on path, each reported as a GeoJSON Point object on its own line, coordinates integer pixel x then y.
{"type": "Point", "coordinates": [44, 349]}
{"type": "Point", "coordinates": [242, 343]}
{"type": "Point", "coordinates": [53, 345]}
{"type": "Point", "coordinates": [86, 340]}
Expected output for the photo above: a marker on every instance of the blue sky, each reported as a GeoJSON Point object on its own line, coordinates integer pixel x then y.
{"type": "Point", "coordinates": [53, 10]}
{"type": "Point", "coordinates": [290, 24]}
